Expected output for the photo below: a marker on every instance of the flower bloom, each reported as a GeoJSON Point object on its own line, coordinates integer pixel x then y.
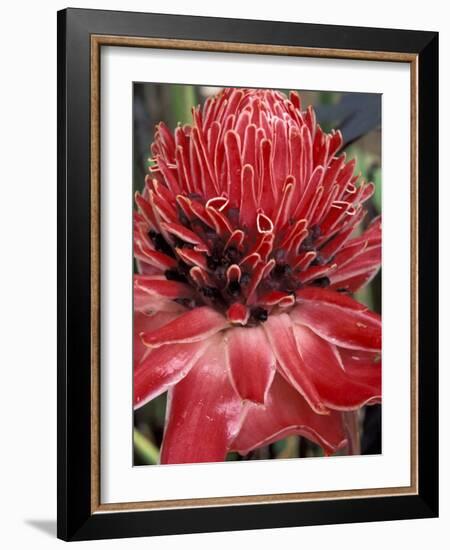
{"type": "Point", "coordinates": [246, 249]}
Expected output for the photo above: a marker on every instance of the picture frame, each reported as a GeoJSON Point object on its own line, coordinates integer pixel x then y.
{"type": "Point", "coordinates": [81, 36]}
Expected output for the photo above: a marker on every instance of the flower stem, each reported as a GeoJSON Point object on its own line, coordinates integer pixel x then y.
{"type": "Point", "coordinates": [352, 429]}
{"type": "Point", "coordinates": [183, 98]}
{"type": "Point", "coordinates": [145, 448]}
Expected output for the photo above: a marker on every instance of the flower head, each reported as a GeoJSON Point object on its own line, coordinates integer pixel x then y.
{"type": "Point", "coordinates": [246, 248]}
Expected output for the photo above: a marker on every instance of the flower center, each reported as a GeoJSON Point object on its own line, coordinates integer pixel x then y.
{"type": "Point", "coordinates": [258, 271]}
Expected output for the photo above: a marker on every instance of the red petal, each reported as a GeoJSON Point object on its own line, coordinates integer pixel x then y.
{"type": "Point", "coordinates": [364, 367]}
{"type": "Point", "coordinates": [170, 176]}
{"type": "Point", "coordinates": [154, 293]}
{"type": "Point", "coordinates": [281, 337]}
{"type": "Point", "coordinates": [316, 294]}
{"type": "Point", "coordinates": [220, 222]}
{"type": "Point", "coordinates": [264, 224]}
{"type": "Point", "coordinates": [265, 247]}
{"type": "Point", "coordinates": [276, 297]}
{"type": "Point", "coordinates": [238, 313]}
{"type": "Point", "coordinates": [149, 304]}
{"type": "Point", "coordinates": [206, 169]}
{"type": "Point", "coordinates": [316, 272]}
{"type": "Point", "coordinates": [199, 210]}
{"type": "Point", "coordinates": [143, 323]}
{"type": "Point", "coordinates": [373, 232]}
{"type": "Point", "coordinates": [185, 234]}
{"type": "Point", "coordinates": [302, 207]}
{"type": "Point", "coordinates": [146, 269]}
{"type": "Point", "coordinates": [357, 272]}
{"type": "Point", "coordinates": [236, 239]}
{"type": "Point", "coordinates": [267, 198]}
{"type": "Point", "coordinates": [346, 173]}
{"type": "Point", "coordinates": [163, 208]}
{"type": "Point", "coordinates": [307, 161]}
{"type": "Point", "coordinates": [365, 191]}
{"type": "Point", "coordinates": [335, 244]}
{"type": "Point", "coordinates": [219, 203]}
{"type": "Point", "coordinates": [349, 253]}
{"type": "Point", "coordinates": [304, 260]}
{"type": "Point", "coordinates": [340, 320]}
{"type": "Point", "coordinates": [144, 252]}
{"type": "Point", "coordinates": [295, 99]}
{"type": "Point", "coordinates": [251, 362]}
{"type": "Point", "coordinates": [233, 157]}
{"type": "Point", "coordinates": [280, 152]}
{"type": "Point", "coordinates": [200, 277]}
{"type": "Point", "coordinates": [156, 285]}
{"type": "Point", "coordinates": [182, 159]}
{"type": "Point", "coordinates": [186, 206]}
{"type": "Point", "coordinates": [295, 144]}
{"type": "Point", "coordinates": [287, 413]}
{"type": "Point", "coordinates": [166, 139]}
{"type": "Point", "coordinates": [193, 326]}
{"type": "Point", "coordinates": [335, 219]}
{"type": "Point", "coordinates": [192, 257]}
{"type": "Point", "coordinates": [242, 122]}
{"type": "Point", "coordinates": [335, 143]}
{"type": "Point", "coordinates": [162, 368]}
{"type": "Point", "coordinates": [204, 412]}
{"type": "Point", "coordinates": [158, 260]}
{"type": "Point", "coordinates": [233, 273]}
{"type": "Point", "coordinates": [247, 213]}
{"type": "Point", "coordinates": [260, 271]}
{"type": "Point", "coordinates": [284, 205]}
{"type": "Point", "coordinates": [337, 387]}
{"type": "Point", "coordinates": [249, 149]}
{"type": "Point", "coordinates": [146, 209]}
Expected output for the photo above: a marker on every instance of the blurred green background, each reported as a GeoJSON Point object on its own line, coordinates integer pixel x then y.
{"type": "Point", "coordinates": [358, 116]}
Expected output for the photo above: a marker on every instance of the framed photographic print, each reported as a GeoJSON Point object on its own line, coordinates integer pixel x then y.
{"type": "Point", "coordinates": [247, 252]}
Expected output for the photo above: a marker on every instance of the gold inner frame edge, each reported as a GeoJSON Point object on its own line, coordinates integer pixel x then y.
{"type": "Point", "coordinates": [97, 41]}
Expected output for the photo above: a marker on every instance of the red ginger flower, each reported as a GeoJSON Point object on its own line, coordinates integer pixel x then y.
{"type": "Point", "coordinates": [246, 257]}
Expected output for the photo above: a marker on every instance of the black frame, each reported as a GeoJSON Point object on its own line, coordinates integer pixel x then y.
{"type": "Point", "coordinates": [75, 521]}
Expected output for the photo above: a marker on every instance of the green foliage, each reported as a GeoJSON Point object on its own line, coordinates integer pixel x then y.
{"type": "Point", "coordinates": [232, 457]}
{"type": "Point", "coordinates": [183, 98]}
{"type": "Point", "coordinates": [376, 178]}
{"type": "Point", "coordinates": [368, 165]}
{"type": "Point", "coordinates": [328, 98]}
{"type": "Point", "coordinates": [148, 452]}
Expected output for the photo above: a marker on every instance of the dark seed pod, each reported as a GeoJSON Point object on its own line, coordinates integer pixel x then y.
{"type": "Point", "coordinates": [321, 282]}
{"type": "Point", "coordinates": [259, 314]}
{"type": "Point", "coordinates": [160, 244]}
{"type": "Point", "coordinates": [234, 288]}
{"type": "Point", "coordinates": [318, 260]}
{"type": "Point", "coordinates": [245, 279]}
{"type": "Point", "coordinates": [175, 275]}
